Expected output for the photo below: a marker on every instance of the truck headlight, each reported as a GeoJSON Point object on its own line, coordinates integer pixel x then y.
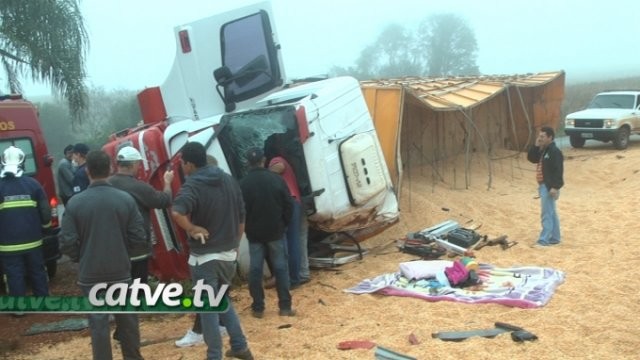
{"type": "Point", "coordinates": [570, 122]}
{"type": "Point", "coordinates": [608, 123]}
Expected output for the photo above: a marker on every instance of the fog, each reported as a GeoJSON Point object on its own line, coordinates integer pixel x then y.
{"type": "Point", "coordinates": [132, 46]}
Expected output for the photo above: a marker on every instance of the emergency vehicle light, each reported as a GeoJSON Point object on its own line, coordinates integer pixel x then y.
{"type": "Point", "coordinates": [185, 43]}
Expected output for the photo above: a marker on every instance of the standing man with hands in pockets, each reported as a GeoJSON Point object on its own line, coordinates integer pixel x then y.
{"type": "Point", "coordinates": [549, 170]}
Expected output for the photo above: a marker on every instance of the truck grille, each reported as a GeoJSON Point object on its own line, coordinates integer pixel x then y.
{"type": "Point", "coordinates": [590, 123]}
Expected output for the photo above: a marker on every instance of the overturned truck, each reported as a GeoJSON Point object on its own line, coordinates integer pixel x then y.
{"type": "Point", "coordinates": [227, 90]}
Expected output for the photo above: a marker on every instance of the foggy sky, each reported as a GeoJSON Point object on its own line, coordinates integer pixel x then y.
{"type": "Point", "coordinates": [132, 46]}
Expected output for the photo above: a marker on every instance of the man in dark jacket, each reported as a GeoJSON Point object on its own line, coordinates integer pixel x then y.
{"type": "Point", "coordinates": [209, 208]}
{"type": "Point", "coordinates": [269, 209]}
{"type": "Point", "coordinates": [128, 161]}
{"type": "Point", "coordinates": [549, 171]}
{"type": "Point", "coordinates": [24, 214]}
{"type": "Point", "coordinates": [101, 227]}
{"type": "Point", "coordinates": [80, 178]}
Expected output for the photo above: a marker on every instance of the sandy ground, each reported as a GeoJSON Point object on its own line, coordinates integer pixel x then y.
{"type": "Point", "coordinates": [592, 315]}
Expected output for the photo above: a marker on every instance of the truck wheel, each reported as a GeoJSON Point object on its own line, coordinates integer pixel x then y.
{"type": "Point", "coordinates": [52, 268]}
{"type": "Point", "coordinates": [621, 141]}
{"type": "Point", "coordinates": [576, 141]}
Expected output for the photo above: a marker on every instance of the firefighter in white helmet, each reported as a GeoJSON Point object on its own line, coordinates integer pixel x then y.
{"type": "Point", "coordinates": [24, 215]}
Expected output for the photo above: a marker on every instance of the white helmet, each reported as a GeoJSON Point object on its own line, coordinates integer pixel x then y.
{"type": "Point", "coordinates": [12, 160]}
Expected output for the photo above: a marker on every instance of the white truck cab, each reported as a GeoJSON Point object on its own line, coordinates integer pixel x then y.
{"type": "Point", "coordinates": [610, 116]}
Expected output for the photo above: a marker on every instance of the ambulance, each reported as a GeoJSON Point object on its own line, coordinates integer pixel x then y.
{"type": "Point", "coordinates": [227, 90]}
{"type": "Point", "coordinates": [20, 127]}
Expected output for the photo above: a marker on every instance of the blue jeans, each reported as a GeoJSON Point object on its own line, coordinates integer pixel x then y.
{"type": "Point", "coordinates": [29, 265]}
{"type": "Point", "coordinates": [216, 273]}
{"type": "Point", "coordinates": [550, 233]}
{"type": "Point", "coordinates": [128, 333]}
{"type": "Point", "coordinates": [293, 244]}
{"type": "Point", "coordinates": [277, 253]}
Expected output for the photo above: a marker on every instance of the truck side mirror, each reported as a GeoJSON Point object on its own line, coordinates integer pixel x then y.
{"type": "Point", "coordinates": [222, 75]}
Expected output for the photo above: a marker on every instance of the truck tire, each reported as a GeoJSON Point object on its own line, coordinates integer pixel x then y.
{"type": "Point", "coordinates": [52, 268]}
{"type": "Point", "coordinates": [576, 141]}
{"type": "Point", "coordinates": [621, 141]}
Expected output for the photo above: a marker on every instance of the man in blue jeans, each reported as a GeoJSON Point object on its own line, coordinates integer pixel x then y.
{"type": "Point", "coordinates": [549, 170]}
{"type": "Point", "coordinates": [269, 208]}
{"type": "Point", "coordinates": [210, 209]}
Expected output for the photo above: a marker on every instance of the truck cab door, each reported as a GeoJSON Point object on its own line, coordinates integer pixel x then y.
{"type": "Point", "coordinates": [224, 62]}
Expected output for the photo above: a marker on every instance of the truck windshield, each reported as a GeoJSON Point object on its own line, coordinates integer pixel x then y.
{"type": "Point", "coordinates": [612, 101]}
{"type": "Point", "coordinates": [248, 129]}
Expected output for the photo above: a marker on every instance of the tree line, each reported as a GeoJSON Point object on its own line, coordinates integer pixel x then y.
{"type": "Point", "coordinates": [442, 45]}
{"type": "Point", "coordinates": [107, 112]}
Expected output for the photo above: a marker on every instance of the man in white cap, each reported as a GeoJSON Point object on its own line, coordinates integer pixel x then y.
{"type": "Point", "coordinates": [24, 214]}
{"type": "Point", "coordinates": [128, 162]}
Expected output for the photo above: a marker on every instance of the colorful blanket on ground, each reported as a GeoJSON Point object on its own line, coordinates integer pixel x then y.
{"type": "Point", "coordinates": [523, 287]}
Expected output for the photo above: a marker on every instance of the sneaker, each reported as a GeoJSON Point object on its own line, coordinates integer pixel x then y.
{"type": "Point", "coordinates": [190, 339]}
{"type": "Point", "coordinates": [244, 354]}
{"type": "Point", "coordinates": [538, 245]}
{"type": "Point", "coordinates": [288, 312]}
{"type": "Point", "coordinates": [257, 314]}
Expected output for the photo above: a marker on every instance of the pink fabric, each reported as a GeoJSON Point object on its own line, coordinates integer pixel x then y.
{"type": "Point", "coordinates": [457, 273]}
{"type": "Point", "coordinates": [288, 176]}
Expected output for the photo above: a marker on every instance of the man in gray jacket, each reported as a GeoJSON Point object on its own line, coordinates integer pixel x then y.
{"type": "Point", "coordinates": [147, 198]}
{"type": "Point", "coordinates": [101, 227]}
{"type": "Point", "coordinates": [209, 207]}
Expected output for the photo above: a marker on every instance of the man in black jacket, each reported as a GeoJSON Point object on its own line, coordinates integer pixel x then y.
{"type": "Point", "coordinates": [549, 170]}
{"type": "Point", "coordinates": [269, 210]}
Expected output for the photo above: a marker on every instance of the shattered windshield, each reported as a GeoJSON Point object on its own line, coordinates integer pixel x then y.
{"type": "Point", "coordinates": [617, 101]}
{"type": "Point", "coordinates": [252, 128]}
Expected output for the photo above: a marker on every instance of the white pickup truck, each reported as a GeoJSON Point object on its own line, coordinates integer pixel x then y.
{"type": "Point", "coordinates": [610, 116]}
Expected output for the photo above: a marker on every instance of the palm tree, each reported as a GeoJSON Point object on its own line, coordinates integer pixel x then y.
{"type": "Point", "coordinates": [47, 40]}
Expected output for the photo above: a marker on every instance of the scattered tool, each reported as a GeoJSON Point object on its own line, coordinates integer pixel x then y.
{"type": "Point", "coordinates": [383, 353]}
{"type": "Point", "coordinates": [500, 328]}
{"type": "Point", "coordinates": [500, 240]}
